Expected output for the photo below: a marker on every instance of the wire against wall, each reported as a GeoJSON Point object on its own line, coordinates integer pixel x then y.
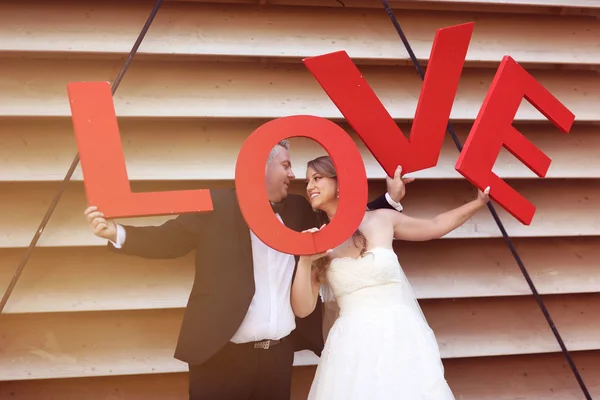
{"type": "Point", "coordinates": [74, 164]}
{"type": "Point", "coordinates": [507, 238]}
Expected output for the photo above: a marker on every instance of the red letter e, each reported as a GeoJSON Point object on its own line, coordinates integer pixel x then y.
{"type": "Point", "coordinates": [493, 129]}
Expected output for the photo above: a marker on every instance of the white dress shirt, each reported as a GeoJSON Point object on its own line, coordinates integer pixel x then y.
{"type": "Point", "coordinates": [270, 315]}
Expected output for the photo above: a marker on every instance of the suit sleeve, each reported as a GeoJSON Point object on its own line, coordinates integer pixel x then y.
{"type": "Point", "coordinates": [173, 239]}
{"type": "Point", "coordinates": [384, 201]}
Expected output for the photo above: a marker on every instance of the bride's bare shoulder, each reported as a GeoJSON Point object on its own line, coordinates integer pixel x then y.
{"type": "Point", "coordinates": [382, 215]}
{"type": "Point", "coordinates": [382, 212]}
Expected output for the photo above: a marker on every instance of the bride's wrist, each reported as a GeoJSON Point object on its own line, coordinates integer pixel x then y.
{"type": "Point", "coordinates": [304, 262]}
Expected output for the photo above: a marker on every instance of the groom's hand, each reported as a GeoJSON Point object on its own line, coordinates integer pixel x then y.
{"type": "Point", "coordinates": [99, 225]}
{"type": "Point", "coordinates": [396, 186]}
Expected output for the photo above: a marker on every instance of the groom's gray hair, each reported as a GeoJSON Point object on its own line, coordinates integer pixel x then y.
{"type": "Point", "coordinates": [275, 150]}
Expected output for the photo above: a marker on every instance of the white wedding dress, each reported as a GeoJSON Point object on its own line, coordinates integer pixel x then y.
{"type": "Point", "coordinates": [380, 347]}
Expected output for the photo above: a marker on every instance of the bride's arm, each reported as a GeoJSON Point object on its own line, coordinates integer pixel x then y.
{"type": "Point", "coordinates": [415, 229]}
{"type": "Point", "coordinates": [305, 288]}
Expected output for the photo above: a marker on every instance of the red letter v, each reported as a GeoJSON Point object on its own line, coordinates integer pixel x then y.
{"type": "Point", "coordinates": [355, 99]}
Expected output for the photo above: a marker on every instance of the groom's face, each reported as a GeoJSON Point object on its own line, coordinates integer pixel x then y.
{"type": "Point", "coordinates": [278, 175]}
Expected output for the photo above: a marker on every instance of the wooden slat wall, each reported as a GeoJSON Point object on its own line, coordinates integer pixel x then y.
{"type": "Point", "coordinates": [86, 324]}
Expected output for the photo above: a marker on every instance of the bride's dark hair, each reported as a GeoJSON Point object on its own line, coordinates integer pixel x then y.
{"type": "Point", "coordinates": [324, 166]}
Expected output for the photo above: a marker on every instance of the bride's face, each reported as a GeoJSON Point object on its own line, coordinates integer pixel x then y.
{"type": "Point", "coordinates": [319, 189]}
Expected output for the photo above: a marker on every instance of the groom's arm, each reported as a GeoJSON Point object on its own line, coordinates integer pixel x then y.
{"type": "Point", "coordinates": [396, 189]}
{"type": "Point", "coordinates": [174, 238]}
{"type": "Point", "coordinates": [385, 201]}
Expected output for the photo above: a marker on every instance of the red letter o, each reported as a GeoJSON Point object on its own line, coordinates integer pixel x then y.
{"type": "Point", "coordinates": [252, 192]}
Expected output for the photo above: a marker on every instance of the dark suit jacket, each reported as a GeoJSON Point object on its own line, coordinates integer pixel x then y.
{"type": "Point", "coordinates": [224, 276]}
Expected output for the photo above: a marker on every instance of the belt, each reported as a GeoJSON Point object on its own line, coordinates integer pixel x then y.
{"type": "Point", "coordinates": [262, 344]}
{"type": "Point", "coordinates": [266, 344]}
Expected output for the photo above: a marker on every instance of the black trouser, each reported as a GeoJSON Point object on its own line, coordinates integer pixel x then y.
{"type": "Point", "coordinates": [241, 372]}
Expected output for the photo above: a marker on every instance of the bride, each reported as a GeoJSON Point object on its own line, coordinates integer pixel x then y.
{"type": "Point", "coordinates": [380, 346]}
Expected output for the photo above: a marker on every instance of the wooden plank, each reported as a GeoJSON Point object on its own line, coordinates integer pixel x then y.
{"type": "Point", "coordinates": [514, 325]}
{"type": "Point", "coordinates": [486, 268]}
{"type": "Point", "coordinates": [160, 89]}
{"type": "Point", "coordinates": [555, 3]}
{"type": "Point", "coordinates": [85, 279]}
{"type": "Point", "coordinates": [172, 386]}
{"type": "Point", "coordinates": [208, 30]}
{"type": "Point", "coordinates": [564, 208]}
{"type": "Point", "coordinates": [503, 6]}
{"type": "Point", "coordinates": [39, 346]}
{"type": "Point", "coordinates": [535, 377]}
{"type": "Point", "coordinates": [42, 150]}
{"type": "Point", "coordinates": [63, 345]}
{"type": "Point", "coordinates": [539, 377]}
{"type": "Point", "coordinates": [93, 279]}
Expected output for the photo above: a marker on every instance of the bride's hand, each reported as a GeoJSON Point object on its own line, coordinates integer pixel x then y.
{"type": "Point", "coordinates": [312, 257]}
{"type": "Point", "coordinates": [483, 197]}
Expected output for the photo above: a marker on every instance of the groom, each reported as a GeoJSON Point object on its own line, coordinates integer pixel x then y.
{"type": "Point", "coordinates": [239, 332]}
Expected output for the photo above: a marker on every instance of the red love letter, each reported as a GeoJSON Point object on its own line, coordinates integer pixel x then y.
{"type": "Point", "coordinates": [252, 191]}
{"type": "Point", "coordinates": [103, 163]}
{"type": "Point", "coordinates": [493, 129]}
{"type": "Point", "coordinates": [355, 99]}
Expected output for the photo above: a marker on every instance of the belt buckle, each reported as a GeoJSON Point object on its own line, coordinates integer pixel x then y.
{"type": "Point", "coordinates": [265, 344]}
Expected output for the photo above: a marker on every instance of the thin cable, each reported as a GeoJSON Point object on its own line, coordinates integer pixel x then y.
{"type": "Point", "coordinates": [507, 238]}
{"type": "Point", "coordinates": [74, 164]}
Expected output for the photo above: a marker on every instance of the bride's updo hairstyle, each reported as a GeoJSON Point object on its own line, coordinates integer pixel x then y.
{"type": "Point", "coordinates": [324, 166]}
